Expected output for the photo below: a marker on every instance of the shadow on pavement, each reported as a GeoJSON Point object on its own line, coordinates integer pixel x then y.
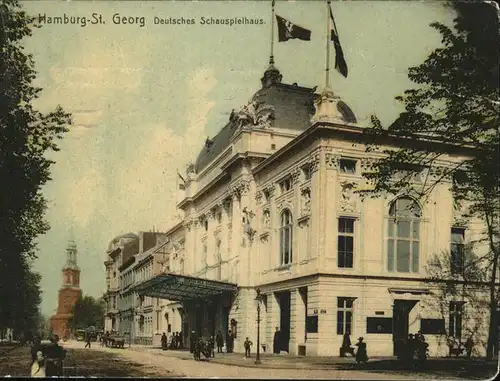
{"type": "Point", "coordinates": [456, 368]}
{"type": "Point", "coordinates": [16, 361]}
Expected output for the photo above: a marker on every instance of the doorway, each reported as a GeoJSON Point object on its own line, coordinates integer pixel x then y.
{"type": "Point", "coordinates": [225, 320]}
{"type": "Point", "coordinates": [284, 302]}
{"type": "Point", "coordinates": [211, 312]}
{"type": "Point", "coordinates": [199, 317]}
{"type": "Point", "coordinates": [400, 323]}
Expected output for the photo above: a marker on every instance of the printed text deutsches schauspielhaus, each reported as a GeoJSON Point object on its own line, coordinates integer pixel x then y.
{"type": "Point", "coordinates": [141, 21]}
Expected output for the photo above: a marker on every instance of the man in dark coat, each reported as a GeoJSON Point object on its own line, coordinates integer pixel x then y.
{"type": "Point", "coordinates": [230, 342]}
{"type": "Point", "coordinates": [277, 341]}
{"type": "Point", "coordinates": [220, 341]}
{"type": "Point", "coordinates": [164, 341]}
{"type": "Point", "coordinates": [35, 347]}
{"type": "Point", "coordinates": [192, 342]}
{"type": "Point", "coordinates": [55, 354]}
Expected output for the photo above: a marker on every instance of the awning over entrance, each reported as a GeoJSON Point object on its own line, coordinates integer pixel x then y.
{"type": "Point", "coordinates": [181, 287]}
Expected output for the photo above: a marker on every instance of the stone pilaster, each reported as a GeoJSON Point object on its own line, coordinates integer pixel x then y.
{"type": "Point", "coordinates": [314, 299]}
{"type": "Point", "coordinates": [272, 318]}
{"type": "Point", "coordinates": [319, 196]}
{"type": "Point", "coordinates": [327, 322]}
{"type": "Point", "coordinates": [331, 220]}
{"type": "Point", "coordinates": [297, 320]}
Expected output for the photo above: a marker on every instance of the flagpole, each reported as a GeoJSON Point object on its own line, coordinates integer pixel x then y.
{"type": "Point", "coordinates": [327, 71]}
{"type": "Point", "coordinates": [271, 59]}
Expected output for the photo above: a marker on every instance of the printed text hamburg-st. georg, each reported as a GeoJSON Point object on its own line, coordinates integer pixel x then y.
{"type": "Point", "coordinates": [142, 21]}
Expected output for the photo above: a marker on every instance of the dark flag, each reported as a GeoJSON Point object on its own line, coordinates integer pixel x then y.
{"type": "Point", "coordinates": [288, 30]}
{"type": "Point", "coordinates": [340, 63]}
{"type": "Point", "coordinates": [181, 186]}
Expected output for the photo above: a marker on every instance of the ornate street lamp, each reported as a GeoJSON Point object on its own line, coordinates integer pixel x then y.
{"type": "Point", "coordinates": [258, 298]}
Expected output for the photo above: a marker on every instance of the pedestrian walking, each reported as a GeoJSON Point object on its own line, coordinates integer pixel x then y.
{"type": "Point", "coordinates": [87, 339]}
{"type": "Point", "coordinates": [164, 341]}
{"type": "Point", "coordinates": [220, 341]}
{"type": "Point", "coordinates": [247, 344]}
{"type": "Point", "coordinates": [361, 353]}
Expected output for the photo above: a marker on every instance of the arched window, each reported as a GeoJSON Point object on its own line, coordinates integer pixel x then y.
{"type": "Point", "coordinates": [403, 235]}
{"type": "Point", "coordinates": [286, 230]}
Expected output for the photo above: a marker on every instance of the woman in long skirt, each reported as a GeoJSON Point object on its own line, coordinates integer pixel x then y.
{"type": "Point", "coordinates": [361, 354]}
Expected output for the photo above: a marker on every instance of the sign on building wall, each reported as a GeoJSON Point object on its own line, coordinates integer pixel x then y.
{"type": "Point", "coordinates": [432, 326]}
{"type": "Point", "coordinates": [378, 325]}
{"type": "Point", "coordinates": [312, 324]}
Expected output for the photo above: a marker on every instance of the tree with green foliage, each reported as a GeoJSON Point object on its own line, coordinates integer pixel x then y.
{"type": "Point", "coordinates": [87, 312]}
{"type": "Point", "coordinates": [455, 104]}
{"type": "Point", "coordinates": [26, 135]}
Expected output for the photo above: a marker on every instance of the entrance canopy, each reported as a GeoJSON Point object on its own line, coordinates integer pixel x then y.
{"type": "Point", "coordinates": [181, 287]}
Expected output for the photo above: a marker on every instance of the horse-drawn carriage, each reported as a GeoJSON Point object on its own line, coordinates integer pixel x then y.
{"type": "Point", "coordinates": [115, 341]}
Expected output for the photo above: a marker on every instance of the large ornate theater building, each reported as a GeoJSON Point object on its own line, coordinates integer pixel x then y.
{"type": "Point", "coordinates": [271, 203]}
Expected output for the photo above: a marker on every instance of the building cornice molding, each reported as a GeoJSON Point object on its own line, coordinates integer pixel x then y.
{"type": "Point", "coordinates": [356, 133]}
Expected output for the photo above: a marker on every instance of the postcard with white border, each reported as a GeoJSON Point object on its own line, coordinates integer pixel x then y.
{"type": "Point", "coordinates": [261, 189]}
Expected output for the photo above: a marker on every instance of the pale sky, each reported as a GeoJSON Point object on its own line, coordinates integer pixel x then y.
{"type": "Point", "coordinates": [144, 99]}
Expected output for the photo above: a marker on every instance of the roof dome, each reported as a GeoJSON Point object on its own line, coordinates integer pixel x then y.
{"type": "Point", "coordinates": [292, 109]}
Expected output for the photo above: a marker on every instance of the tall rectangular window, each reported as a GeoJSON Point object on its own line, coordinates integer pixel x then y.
{"type": "Point", "coordinates": [344, 315]}
{"type": "Point", "coordinates": [457, 250]}
{"type": "Point", "coordinates": [345, 243]}
{"type": "Point", "coordinates": [455, 319]}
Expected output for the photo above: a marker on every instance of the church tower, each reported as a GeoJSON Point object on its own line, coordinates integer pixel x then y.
{"type": "Point", "coordinates": [69, 293]}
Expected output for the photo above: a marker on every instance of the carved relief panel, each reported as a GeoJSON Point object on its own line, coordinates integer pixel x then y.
{"type": "Point", "coordinates": [348, 200]}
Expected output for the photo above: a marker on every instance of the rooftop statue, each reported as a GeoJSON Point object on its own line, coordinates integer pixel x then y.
{"type": "Point", "coordinates": [254, 113]}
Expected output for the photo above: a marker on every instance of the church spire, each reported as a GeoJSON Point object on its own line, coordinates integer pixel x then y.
{"type": "Point", "coordinates": [71, 256]}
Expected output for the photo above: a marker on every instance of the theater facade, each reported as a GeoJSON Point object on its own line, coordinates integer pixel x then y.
{"type": "Point", "coordinates": [272, 202]}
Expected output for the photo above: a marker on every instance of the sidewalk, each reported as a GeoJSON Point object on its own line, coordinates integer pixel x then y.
{"type": "Point", "coordinates": [271, 361]}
